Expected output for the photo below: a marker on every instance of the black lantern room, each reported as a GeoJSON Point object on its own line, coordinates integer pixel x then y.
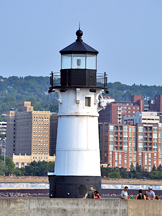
{"type": "Point", "coordinates": [78, 64]}
{"type": "Point", "coordinates": [78, 68]}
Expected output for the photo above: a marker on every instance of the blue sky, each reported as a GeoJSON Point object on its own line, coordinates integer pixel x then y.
{"type": "Point", "coordinates": [127, 34]}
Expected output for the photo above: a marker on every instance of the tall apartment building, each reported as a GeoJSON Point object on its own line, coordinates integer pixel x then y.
{"type": "Point", "coordinates": [116, 111]}
{"type": "Point", "coordinates": [28, 132]}
{"type": "Point", "coordinates": [122, 144]}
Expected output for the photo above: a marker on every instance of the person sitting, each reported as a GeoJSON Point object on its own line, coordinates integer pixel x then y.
{"type": "Point", "coordinates": [146, 194]}
{"type": "Point", "coordinates": [151, 194]}
{"type": "Point", "coordinates": [140, 195]}
{"type": "Point", "coordinates": [90, 193]}
{"type": "Point", "coordinates": [96, 195]}
{"type": "Point", "coordinates": [157, 197]}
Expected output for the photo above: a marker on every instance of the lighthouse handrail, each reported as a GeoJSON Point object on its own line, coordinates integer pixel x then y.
{"type": "Point", "coordinates": [101, 79]}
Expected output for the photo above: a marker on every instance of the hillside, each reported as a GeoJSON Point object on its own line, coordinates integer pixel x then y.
{"type": "Point", "coordinates": [35, 89]}
{"type": "Point", "coordinates": [18, 89]}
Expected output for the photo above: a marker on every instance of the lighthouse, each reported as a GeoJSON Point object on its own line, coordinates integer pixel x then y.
{"type": "Point", "coordinates": [79, 90]}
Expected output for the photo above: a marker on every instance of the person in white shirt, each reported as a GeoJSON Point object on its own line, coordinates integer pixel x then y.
{"type": "Point", "coordinates": [151, 194]}
{"type": "Point", "coordinates": [124, 193]}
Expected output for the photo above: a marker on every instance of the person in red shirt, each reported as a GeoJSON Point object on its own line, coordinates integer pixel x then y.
{"type": "Point", "coordinates": [96, 195]}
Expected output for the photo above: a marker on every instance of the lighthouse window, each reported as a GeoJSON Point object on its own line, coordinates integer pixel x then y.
{"type": "Point", "coordinates": [88, 101]}
{"type": "Point", "coordinates": [66, 61]}
{"type": "Point", "coordinates": [78, 61]}
{"type": "Point", "coordinates": [91, 62]}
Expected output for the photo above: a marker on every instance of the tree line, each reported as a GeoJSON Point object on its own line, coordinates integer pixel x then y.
{"type": "Point", "coordinates": [39, 168]}
{"type": "Point", "coordinates": [135, 172]}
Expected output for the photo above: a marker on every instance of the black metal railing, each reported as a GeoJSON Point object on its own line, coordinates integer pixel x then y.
{"type": "Point", "coordinates": [101, 79]}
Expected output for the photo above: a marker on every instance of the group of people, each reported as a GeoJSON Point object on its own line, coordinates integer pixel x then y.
{"type": "Point", "coordinates": [92, 193]}
{"type": "Point", "coordinates": [149, 194]}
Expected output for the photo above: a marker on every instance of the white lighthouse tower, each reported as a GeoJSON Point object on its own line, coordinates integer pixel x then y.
{"type": "Point", "coordinates": [77, 164]}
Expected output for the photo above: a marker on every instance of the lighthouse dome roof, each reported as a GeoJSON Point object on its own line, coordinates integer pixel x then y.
{"type": "Point", "coordinates": [78, 46]}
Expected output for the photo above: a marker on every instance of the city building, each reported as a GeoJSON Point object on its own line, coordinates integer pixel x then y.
{"type": "Point", "coordinates": [25, 160]}
{"type": "Point", "coordinates": [116, 111]}
{"type": "Point", "coordinates": [3, 128]}
{"type": "Point", "coordinates": [28, 132]}
{"type": "Point", "coordinates": [124, 144]}
{"type": "Point", "coordinates": [143, 117]}
{"type": "Point", "coordinates": [157, 106]}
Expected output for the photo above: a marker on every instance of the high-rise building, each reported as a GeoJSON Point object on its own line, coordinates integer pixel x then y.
{"type": "Point", "coordinates": [122, 144]}
{"type": "Point", "coordinates": [28, 132]}
{"type": "Point", "coordinates": [116, 111]}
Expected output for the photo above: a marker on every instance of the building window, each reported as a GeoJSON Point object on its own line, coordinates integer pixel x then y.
{"type": "Point", "coordinates": [155, 129]}
{"type": "Point", "coordinates": [140, 129]}
{"type": "Point", "coordinates": [88, 101]}
{"type": "Point", "coordinates": [125, 128]}
{"type": "Point", "coordinates": [111, 127]}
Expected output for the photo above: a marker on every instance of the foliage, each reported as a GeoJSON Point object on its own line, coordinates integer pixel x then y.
{"type": "Point", "coordinates": [135, 172]}
{"type": "Point", "coordinates": [115, 175]}
{"type": "Point", "coordinates": [38, 168]}
{"type": "Point", "coordinates": [115, 172]}
{"type": "Point", "coordinates": [19, 171]}
{"type": "Point", "coordinates": [3, 119]}
{"type": "Point", "coordinates": [35, 89]}
{"type": "Point", "coordinates": [9, 165]}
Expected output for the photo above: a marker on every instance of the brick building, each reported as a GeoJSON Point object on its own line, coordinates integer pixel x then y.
{"type": "Point", "coordinates": [116, 111]}
{"type": "Point", "coordinates": [122, 144]}
{"type": "Point", "coordinates": [157, 106]}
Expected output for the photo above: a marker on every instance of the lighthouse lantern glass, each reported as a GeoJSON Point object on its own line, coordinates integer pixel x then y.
{"type": "Point", "coordinates": [66, 61]}
{"type": "Point", "coordinates": [91, 62]}
{"type": "Point", "coordinates": [78, 61]}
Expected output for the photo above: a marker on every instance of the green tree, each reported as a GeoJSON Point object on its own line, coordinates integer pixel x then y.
{"type": "Point", "coordinates": [159, 168]}
{"type": "Point", "coordinates": [154, 168]}
{"type": "Point", "coordinates": [138, 168]}
{"type": "Point", "coordinates": [39, 168]}
{"type": "Point", "coordinates": [9, 165]}
{"type": "Point", "coordinates": [1, 167]}
{"type": "Point", "coordinates": [123, 172]}
{"type": "Point", "coordinates": [115, 175]}
{"type": "Point", "coordinates": [153, 175]}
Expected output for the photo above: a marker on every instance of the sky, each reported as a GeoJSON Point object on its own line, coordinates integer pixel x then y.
{"type": "Point", "coordinates": [127, 34]}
